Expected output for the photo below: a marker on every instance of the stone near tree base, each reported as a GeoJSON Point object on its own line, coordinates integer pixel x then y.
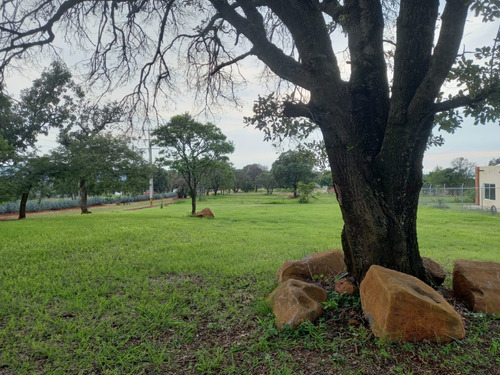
{"type": "Point", "coordinates": [206, 212]}
{"type": "Point", "coordinates": [478, 283]}
{"type": "Point", "coordinates": [402, 308]}
{"type": "Point", "coordinates": [346, 286]}
{"type": "Point", "coordinates": [327, 263]}
{"type": "Point", "coordinates": [295, 301]}
{"type": "Point", "coordinates": [435, 271]}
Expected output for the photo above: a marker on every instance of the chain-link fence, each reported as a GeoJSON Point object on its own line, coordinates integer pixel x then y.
{"type": "Point", "coordinates": [485, 199]}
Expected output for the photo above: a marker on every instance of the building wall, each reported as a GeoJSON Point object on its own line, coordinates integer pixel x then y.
{"type": "Point", "coordinates": [488, 176]}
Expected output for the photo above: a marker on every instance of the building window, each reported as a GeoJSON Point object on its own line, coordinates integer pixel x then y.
{"type": "Point", "coordinates": [489, 191]}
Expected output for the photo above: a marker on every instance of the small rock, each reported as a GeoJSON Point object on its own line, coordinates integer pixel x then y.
{"type": "Point", "coordinates": [402, 308]}
{"type": "Point", "coordinates": [353, 322]}
{"type": "Point", "coordinates": [478, 283]}
{"type": "Point", "coordinates": [327, 263]}
{"type": "Point", "coordinates": [295, 301]}
{"type": "Point", "coordinates": [206, 212]}
{"type": "Point", "coordinates": [346, 286]}
{"type": "Point", "coordinates": [435, 271]}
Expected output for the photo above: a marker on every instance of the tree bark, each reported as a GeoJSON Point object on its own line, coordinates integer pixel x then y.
{"type": "Point", "coordinates": [83, 197]}
{"type": "Point", "coordinates": [22, 206]}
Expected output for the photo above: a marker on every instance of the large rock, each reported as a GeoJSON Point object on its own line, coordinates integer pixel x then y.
{"type": "Point", "coordinates": [402, 308]}
{"type": "Point", "coordinates": [478, 283]}
{"type": "Point", "coordinates": [295, 301]}
{"type": "Point", "coordinates": [206, 212]}
{"type": "Point", "coordinates": [327, 263]}
{"type": "Point", "coordinates": [435, 271]}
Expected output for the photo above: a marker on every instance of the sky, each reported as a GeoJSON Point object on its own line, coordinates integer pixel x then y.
{"type": "Point", "coordinates": [478, 144]}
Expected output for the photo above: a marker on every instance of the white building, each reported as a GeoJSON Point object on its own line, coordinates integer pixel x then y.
{"type": "Point", "coordinates": [488, 187]}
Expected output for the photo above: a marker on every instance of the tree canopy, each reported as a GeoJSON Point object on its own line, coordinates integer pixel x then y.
{"type": "Point", "coordinates": [461, 173]}
{"type": "Point", "coordinates": [191, 148]}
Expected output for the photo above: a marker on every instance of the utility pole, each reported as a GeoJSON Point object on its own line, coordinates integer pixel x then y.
{"type": "Point", "coordinates": [151, 187]}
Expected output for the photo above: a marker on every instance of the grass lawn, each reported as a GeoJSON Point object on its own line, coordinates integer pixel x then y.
{"type": "Point", "coordinates": [155, 291]}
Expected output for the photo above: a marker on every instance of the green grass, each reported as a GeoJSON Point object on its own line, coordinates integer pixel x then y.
{"type": "Point", "coordinates": [156, 291]}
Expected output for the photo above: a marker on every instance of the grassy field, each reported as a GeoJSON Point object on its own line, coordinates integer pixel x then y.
{"type": "Point", "coordinates": [155, 291]}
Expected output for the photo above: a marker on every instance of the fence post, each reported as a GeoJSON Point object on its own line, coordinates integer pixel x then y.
{"type": "Point", "coordinates": [462, 196]}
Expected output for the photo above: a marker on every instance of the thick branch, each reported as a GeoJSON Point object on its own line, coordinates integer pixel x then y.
{"type": "Point", "coordinates": [466, 100]}
{"type": "Point", "coordinates": [415, 36]}
{"type": "Point", "coordinates": [453, 23]}
{"type": "Point", "coordinates": [253, 29]}
{"type": "Point", "coordinates": [332, 8]}
{"type": "Point", "coordinates": [304, 20]}
{"type": "Point", "coordinates": [368, 83]}
{"type": "Point", "coordinates": [291, 109]}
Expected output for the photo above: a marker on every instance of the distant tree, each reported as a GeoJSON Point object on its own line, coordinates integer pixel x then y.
{"type": "Point", "coordinates": [325, 179]}
{"type": "Point", "coordinates": [253, 171]}
{"type": "Point", "coordinates": [162, 179]}
{"type": "Point", "coordinates": [461, 173]}
{"type": "Point", "coordinates": [179, 185]}
{"type": "Point", "coordinates": [33, 173]}
{"type": "Point", "coordinates": [98, 163]}
{"type": "Point", "coordinates": [465, 170]}
{"type": "Point", "coordinates": [190, 148]}
{"type": "Point", "coordinates": [221, 176]}
{"type": "Point", "coordinates": [292, 167]}
{"type": "Point", "coordinates": [494, 161]}
{"type": "Point", "coordinates": [442, 177]}
{"type": "Point", "coordinates": [305, 190]}
{"type": "Point", "coordinates": [19, 179]}
{"type": "Point", "coordinates": [267, 181]}
{"type": "Point", "coordinates": [242, 181]}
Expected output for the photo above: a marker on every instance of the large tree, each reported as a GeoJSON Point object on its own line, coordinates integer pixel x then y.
{"type": "Point", "coordinates": [375, 111]}
{"type": "Point", "coordinates": [191, 148]}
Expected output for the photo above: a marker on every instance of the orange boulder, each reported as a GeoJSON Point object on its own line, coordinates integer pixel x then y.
{"type": "Point", "coordinates": [327, 263]}
{"type": "Point", "coordinates": [402, 308]}
{"type": "Point", "coordinates": [206, 212]}
{"type": "Point", "coordinates": [435, 271]}
{"type": "Point", "coordinates": [478, 283]}
{"type": "Point", "coordinates": [295, 301]}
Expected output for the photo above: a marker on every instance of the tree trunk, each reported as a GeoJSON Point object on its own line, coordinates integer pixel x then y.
{"type": "Point", "coordinates": [379, 201]}
{"type": "Point", "coordinates": [83, 197]}
{"type": "Point", "coordinates": [193, 202]}
{"type": "Point", "coordinates": [22, 206]}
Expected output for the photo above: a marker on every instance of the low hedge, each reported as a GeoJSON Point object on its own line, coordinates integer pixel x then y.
{"type": "Point", "coordinates": [36, 205]}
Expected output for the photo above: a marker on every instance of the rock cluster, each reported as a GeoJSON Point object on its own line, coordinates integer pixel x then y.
{"type": "Point", "coordinates": [398, 307]}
